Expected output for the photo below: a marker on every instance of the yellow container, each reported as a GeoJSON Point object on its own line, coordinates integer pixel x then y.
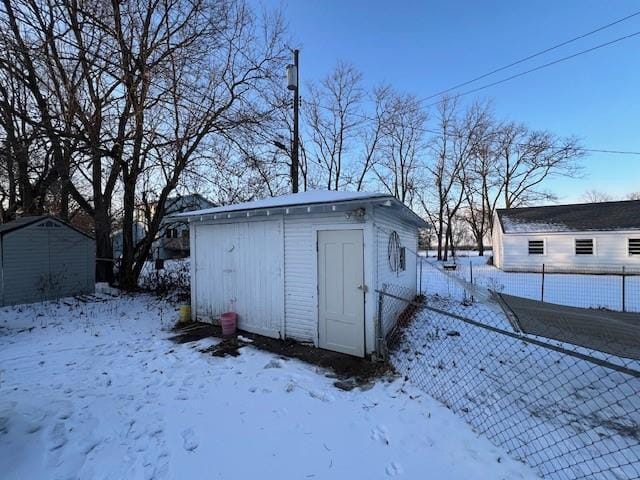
{"type": "Point", "coordinates": [185, 313]}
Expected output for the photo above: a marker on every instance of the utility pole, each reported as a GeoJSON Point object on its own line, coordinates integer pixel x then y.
{"type": "Point", "coordinates": [293, 80]}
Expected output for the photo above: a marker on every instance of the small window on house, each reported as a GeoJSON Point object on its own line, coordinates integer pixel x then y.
{"type": "Point", "coordinates": [403, 259]}
{"type": "Point", "coordinates": [185, 233]}
{"type": "Point", "coordinates": [634, 246]}
{"type": "Point", "coordinates": [536, 247]}
{"type": "Point", "coordinates": [584, 246]}
{"type": "Point", "coordinates": [172, 233]}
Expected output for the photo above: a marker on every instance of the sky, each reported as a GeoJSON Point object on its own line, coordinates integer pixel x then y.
{"type": "Point", "coordinates": [423, 47]}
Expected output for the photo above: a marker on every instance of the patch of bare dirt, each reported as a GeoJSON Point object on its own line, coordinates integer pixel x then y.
{"type": "Point", "coordinates": [348, 371]}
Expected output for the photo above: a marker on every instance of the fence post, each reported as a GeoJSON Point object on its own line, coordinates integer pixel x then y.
{"type": "Point", "coordinates": [542, 293]}
{"type": "Point", "coordinates": [624, 283]}
{"type": "Point", "coordinates": [471, 279]}
{"type": "Point", "coordinates": [420, 275]}
{"type": "Point", "coordinates": [379, 347]}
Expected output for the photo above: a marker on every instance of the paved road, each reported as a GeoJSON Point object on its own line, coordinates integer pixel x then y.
{"type": "Point", "coordinates": [616, 333]}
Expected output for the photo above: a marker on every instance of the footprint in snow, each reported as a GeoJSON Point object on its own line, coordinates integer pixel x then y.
{"type": "Point", "coordinates": [274, 364]}
{"type": "Point", "coordinates": [323, 397]}
{"type": "Point", "coordinates": [4, 425]}
{"type": "Point", "coordinates": [190, 442]}
{"type": "Point", "coordinates": [380, 434]}
{"type": "Point", "coordinates": [394, 469]}
{"type": "Point", "coordinates": [57, 437]}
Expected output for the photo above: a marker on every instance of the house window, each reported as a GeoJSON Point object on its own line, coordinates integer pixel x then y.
{"type": "Point", "coordinates": [584, 246]}
{"type": "Point", "coordinates": [403, 259]}
{"type": "Point", "coordinates": [171, 233]}
{"type": "Point", "coordinates": [634, 246]}
{"type": "Point", "coordinates": [536, 247]}
{"type": "Point", "coordinates": [185, 234]}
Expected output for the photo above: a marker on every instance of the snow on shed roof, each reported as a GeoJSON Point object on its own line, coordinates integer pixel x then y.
{"type": "Point", "coordinates": [589, 217]}
{"type": "Point", "coordinates": [312, 197]}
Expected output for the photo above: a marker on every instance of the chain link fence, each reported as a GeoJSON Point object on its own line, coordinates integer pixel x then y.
{"type": "Point", "coordinates": [606, 287]}
{"type": "Point", "coordinates": [570, 409]}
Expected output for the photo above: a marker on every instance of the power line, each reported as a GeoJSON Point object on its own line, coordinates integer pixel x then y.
{"type": "Point", "coordinates": [534, 55]}
{"type": "Point", "coordinates": [455, 135]}
{"type": "Point", "coordinates": [540, 67]}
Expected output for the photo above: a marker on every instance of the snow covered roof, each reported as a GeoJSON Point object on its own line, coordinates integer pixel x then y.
{"type": "Point", "coordinates": [580, 217]}
{"type": "Point", "coordinates": [309, 198]}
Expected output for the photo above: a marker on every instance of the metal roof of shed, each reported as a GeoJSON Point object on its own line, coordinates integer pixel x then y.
{"type": "Point", "coordinates": [302, 199]}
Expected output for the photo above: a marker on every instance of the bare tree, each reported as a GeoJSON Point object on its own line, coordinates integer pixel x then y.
{"type": "Point", "coordinates": [528, 158]}
{"type": "Point", "coordinates": [372, 136]}
{"type": "Point", "coordinates": [194, 78]}
{"type": "Point", "coordinates": [483, 189]}
{"type": "Point", "coordinates": [333, 118]}
{"type": "Point", "coordinates": [400, 168]}
{"type": "Point", "coordinates": [596, 196]}
{"type": "Point", "coordinates": [633, 196]}
{"type": "Point", "coordinates": [455, 148]}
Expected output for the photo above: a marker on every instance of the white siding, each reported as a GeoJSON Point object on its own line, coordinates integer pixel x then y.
{"type": "Point", "coordinates": [403, 283]}
{"type": "Point", "coordinates": [610, 251]}
{"type": "Point", "coordinates": [301, 294]}
{"type": "Point", "coordinates": [233, 273]}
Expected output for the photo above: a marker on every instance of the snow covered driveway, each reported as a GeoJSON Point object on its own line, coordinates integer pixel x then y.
{"type": "Point", "coordinates": [94, 390]}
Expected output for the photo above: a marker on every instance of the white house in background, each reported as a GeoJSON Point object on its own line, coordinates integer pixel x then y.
{"type": "Point", "coordinates": [305, 266]}
{"type": "Point", "coordinates": [601, 237]}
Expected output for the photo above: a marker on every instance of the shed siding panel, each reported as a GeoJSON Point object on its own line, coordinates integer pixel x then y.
{"type": "Point", "coordinates": [70, 260]}
{"type": "Point", "coordinates": [402, 283]}
{"type": "Point", "coordinates": [610, 251]}
{"type": "Point", "coordinates": [25, 266]}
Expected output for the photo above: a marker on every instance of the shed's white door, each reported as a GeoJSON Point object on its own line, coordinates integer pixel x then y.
{"type": "Point", "coordinates": [340, 289]}
{"type": "Point", "coordinates": [239, 267]}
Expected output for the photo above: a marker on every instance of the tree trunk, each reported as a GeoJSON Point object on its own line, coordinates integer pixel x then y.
{"type": "Point", "coordinates": [128, 280]}
{"type": "Point", "coordinates": [445, 253]}
{"type": "Point", "coordinates": [104, 249]}
{"type": "Point", "coordinates": [451, 245]}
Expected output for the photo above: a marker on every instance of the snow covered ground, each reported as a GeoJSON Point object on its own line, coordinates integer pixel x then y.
{"type": "Point", "coordinates": [568, 417]}
{"type": "Point", "coordinates": [574, 290]}
{"type": "Point", "coordinates": [95, 390]}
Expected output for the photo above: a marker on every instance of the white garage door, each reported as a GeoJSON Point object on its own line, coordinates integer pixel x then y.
{"type": "Point", "coordinates": [239, 267]}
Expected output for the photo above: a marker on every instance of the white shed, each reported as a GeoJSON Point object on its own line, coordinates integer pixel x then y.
{"type": "Point", "coordinates": [591, 237]}
{"type": "Point", "coordinates": [304, 266]}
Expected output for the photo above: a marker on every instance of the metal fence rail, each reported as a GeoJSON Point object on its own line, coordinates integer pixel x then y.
{"type": "Point", "coordinates": [568, 411]}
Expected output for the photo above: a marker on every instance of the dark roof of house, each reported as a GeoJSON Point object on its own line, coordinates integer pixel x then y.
{"type": "Point", "coordinates": [22, 222]}
{"type": "Point", "coordinates": [579, 217]}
